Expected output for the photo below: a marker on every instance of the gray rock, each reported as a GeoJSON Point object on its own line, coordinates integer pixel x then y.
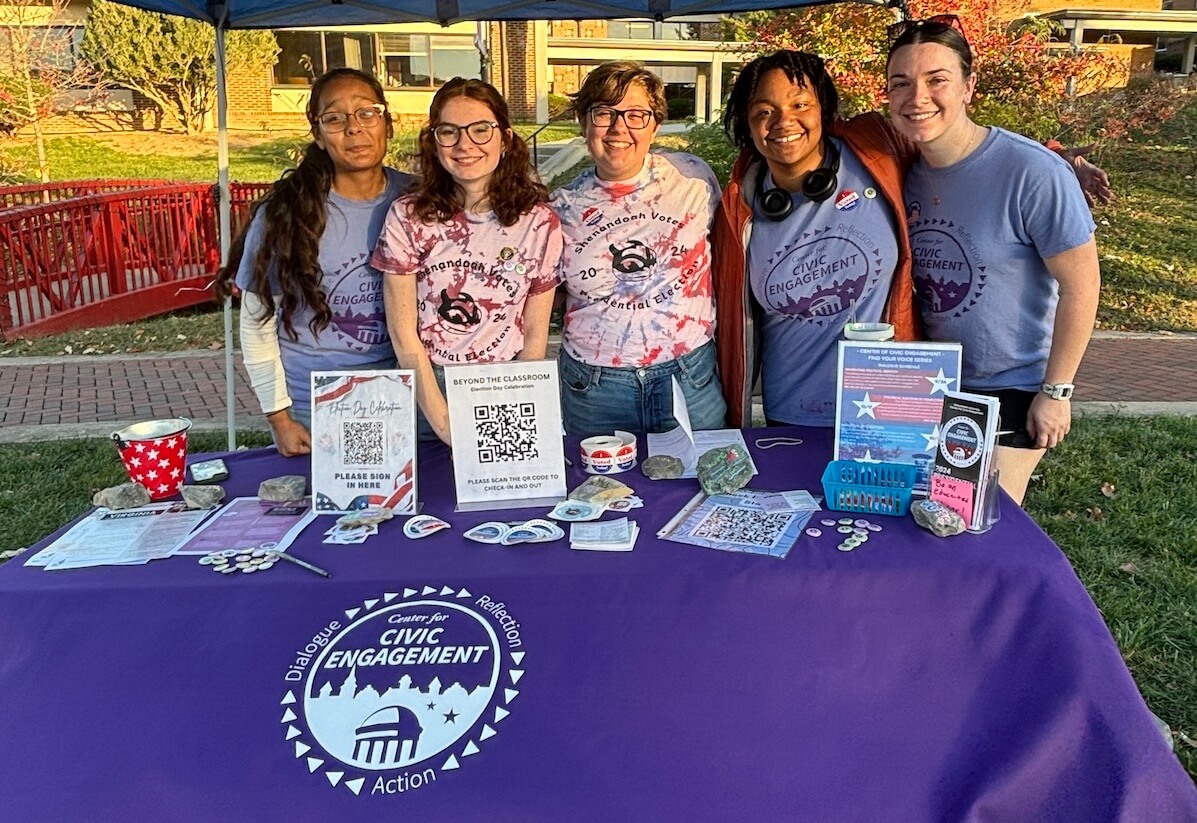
{"type": "Point", "coordinates": [662, 467]}
{"type": "Point", "coordinates": [724, 470]}
{"type": "Point", "coordinates": [202, 497]}
{"type": "Point", "coordinates": [124, 496]}
{"type": "Point", "coordinates": [936, 518]}
{"type": "Point", "coordinates": [283, 489]}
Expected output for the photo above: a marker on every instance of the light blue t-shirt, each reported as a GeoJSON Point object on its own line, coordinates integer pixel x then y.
{"type": "Point", "coordinates": [805, 272]}
{"type": "Point", "coordinates": [356, 337]}
{"type": "Point", "coordinates": [979, 231]}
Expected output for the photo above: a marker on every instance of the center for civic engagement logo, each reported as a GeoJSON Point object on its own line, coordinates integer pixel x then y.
{"type": "Point", "coordinates": [403, 689]}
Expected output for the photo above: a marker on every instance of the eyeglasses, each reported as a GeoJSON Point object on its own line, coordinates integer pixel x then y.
{"type": "Point", "coordinates": [367, 118]}
{"type": "Point", "coordinates": [604, 117]}
{"type": "Point", "coordinates": [448, 135]}
{"type": "Point", "coordinates": [900, 28]}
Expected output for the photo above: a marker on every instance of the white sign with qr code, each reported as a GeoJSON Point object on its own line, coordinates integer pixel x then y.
{"type": "Point", "coordinates": [363, 440]}
{"type": "Point", "coordinates": [505, 419]}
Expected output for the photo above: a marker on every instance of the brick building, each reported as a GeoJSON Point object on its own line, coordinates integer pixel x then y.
{"type": "Point", "coordinates": [531, 60]}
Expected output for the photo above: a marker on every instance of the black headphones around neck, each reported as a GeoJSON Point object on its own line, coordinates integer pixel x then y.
{"type": "Point", "coordinates": [819, 184]}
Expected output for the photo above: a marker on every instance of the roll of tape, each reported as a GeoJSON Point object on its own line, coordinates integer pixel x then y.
{"type": "Point", "coordinates": [605, 454]}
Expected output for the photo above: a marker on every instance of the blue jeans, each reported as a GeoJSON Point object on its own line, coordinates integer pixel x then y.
{"type": "Point", "coordinates": [598, 399]}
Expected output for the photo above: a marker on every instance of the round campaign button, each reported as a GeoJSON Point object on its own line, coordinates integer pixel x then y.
{"type": "Point", "coordinates": [229, 553]}
{"type": "Point", "coordinates": [861, 522]}
{"type": "Point", "coordinates": [844, 530]}
{"type": "Point", "coordinates": [845, 521]}
{"type": "Point", "coordinates": [813, 532]}
{"type": "Point", "coordinates": [873, 527]}
{"type": "Point", "coordinates": [828, 522]}
{"type": "Point", "coordinates": [846, 547]}
{"type": "Point", "coordinates": [860, 530]}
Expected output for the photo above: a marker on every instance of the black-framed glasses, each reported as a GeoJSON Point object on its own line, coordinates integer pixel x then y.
{"type": "Point", "coordinates": [448, 135]}
{"type": "Point", "coordinates": [900, 28]}
{"type": "Point", "coordinates": [604, 117]}
{"type": "Point", "coordinates": [367, 117]}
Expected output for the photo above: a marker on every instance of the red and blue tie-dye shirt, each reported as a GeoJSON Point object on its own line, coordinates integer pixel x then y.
{"type": "Point", "coordinates": [637, 262]}
{"type": "Point", "coordinates": [473, 276]}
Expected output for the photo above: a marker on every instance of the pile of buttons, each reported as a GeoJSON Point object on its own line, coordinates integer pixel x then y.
{"type": "Point", "coordinates": [246, 561]}
{"type": "Point", "coordinates": [856, 532]}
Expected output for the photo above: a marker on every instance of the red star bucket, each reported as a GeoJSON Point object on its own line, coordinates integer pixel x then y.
{"type": "Point", "coordinates": [155, 454]}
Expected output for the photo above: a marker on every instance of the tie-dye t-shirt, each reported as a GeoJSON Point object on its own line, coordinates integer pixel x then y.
{"type": "Point", "coordinates": [637, 262]}
{"type": "Point", "coordinates": [473, 276]}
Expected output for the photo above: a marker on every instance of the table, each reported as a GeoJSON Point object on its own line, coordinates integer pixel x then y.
{"type": "Point", "coordinates": [914, 679]}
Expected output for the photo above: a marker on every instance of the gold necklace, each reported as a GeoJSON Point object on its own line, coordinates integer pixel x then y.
{"type": "Point", "coordinates": [935, 199]}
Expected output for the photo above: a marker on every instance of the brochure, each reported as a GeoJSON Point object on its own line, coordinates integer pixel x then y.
{"type": "Point", "coordinates": [963, 461]}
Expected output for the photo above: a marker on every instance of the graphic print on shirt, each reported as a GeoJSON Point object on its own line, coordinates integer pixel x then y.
{"type": "Point", "coordinates": [949, 277]}
{"type": "Point", "coordinates": [461, 313]}
{"type": "Point", "coordinates": [473, 277]}
{"type": "Point", "coordinates": [637, 263]}
{"type": "Point", "coordinates": [819, 275]}
{"type": "Point", "coordinates": [354, 294]}
{"type": "Point", "coordinates": [632, 261]}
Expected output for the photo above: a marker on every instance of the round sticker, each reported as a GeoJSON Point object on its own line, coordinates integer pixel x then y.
{"type": "Point", "coordinates": [847, 200]}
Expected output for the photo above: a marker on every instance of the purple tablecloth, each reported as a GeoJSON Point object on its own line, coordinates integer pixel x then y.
{"type": "Point", "coordinates": [914, 679]}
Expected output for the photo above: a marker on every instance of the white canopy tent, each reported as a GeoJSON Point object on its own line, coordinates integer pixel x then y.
{"type": "Point", "coordinates": [271, 14]}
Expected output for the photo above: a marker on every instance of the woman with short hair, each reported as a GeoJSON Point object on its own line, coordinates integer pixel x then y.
{"type": "Point", "coordinates": [637, 267]}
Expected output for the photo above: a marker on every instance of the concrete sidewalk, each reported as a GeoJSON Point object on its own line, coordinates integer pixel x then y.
{"type": "Point", "coordinates": [46, 398]}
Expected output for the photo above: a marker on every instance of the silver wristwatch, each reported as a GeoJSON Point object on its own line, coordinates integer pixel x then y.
{"type": "Point", "coordinates": [1057, 391]}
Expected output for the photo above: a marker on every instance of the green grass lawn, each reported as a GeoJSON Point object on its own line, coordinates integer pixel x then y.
{"type": "Point", "coordinates": [252, 157]}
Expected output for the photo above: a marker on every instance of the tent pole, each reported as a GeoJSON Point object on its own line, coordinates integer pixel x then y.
{"type": "Point", "coordinates": [226, 223]}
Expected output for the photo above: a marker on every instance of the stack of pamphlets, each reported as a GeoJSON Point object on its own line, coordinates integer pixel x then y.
{"type": "Point", "coordinates": [604, 535]}
{"type": "Point", "coordinates": [963, 470]}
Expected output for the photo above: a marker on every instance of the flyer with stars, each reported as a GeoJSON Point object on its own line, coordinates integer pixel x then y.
{"type": "Point", "coordinates": [889, 397]}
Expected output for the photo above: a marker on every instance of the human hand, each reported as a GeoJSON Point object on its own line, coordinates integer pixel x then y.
{"type": "Point", "coordinates": [1048, 421]}
{"type": "Point", "coordinates": [290, 437]}
{"type": "Point", "coordinates": [1095, 183]}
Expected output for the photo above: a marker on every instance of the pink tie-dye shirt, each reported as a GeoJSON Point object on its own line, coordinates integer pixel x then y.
{"type": "Point", "coordinates": [637, 262]}
{"type": "Point", "coordinates": [473, 276]}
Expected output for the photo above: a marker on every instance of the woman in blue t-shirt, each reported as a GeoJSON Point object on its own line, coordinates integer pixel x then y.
{"type": "Point", "coordinates": [309, 299]}
{"type": "Point", "coordinates": [1004, 258]}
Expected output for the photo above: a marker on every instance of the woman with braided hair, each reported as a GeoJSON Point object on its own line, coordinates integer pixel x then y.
{"type": "Point", "coordinates": [309, 298]}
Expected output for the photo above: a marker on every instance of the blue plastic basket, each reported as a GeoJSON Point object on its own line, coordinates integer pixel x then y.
{"type": "Point", "coordinates": [872, 488]}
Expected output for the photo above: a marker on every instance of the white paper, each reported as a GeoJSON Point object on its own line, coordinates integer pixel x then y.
{"type": "Point", "coordinates": [799, 500]}
{"type": "Point", "coordinates": [623, 546]}
{"type": "Point", "coordinates": [364, 440]}
{"type": "Point", "coordinates": [605, 531]}
{"type": "Point", "coordinates": [702, 442]}
{"type": "Point", "coordinates": [121, 538]}
{"type": "Point", "coordinates": [505, 419]}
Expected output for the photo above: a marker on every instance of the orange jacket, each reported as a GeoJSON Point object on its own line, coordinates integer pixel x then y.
{"type": "Point", "coordinates": [887, 156]}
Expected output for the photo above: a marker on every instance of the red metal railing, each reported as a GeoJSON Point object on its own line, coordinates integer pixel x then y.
{"type": "Point", "coordinates": [33, 194]}
{"type": "Point", "coordinates": [74, 260]}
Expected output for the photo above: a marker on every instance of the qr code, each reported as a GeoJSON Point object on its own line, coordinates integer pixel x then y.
{"type": "Point", "coordinates": [363, 440]}
{"type": "Point", "coordinates": [506, 432]}
{"type": "Point", "coordinates": [751, 528]}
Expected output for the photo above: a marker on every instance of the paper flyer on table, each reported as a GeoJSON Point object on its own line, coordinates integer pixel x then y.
{"type": "Point", "coordinates": [364, 440]}
{"type": "Point", "coordinates": [120, 538]}
{"type": "Point", "coordinates": [250, 523]}
{"type": "Point", "coordinates": [505, 419]}
{"type": "Point", "coordinates": [888, 401]}
{"type": "Point", "coordinates": [735, 522]}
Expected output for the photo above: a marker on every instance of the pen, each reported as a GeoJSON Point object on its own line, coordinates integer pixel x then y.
{"type": "Point", "coordinates": [305, 564]}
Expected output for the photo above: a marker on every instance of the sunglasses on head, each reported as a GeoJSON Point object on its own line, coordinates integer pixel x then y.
{"type": "Point", "coordinates": [900, 28]}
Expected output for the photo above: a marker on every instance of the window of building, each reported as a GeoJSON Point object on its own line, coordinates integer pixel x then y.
{"type": "Point", "coordinates": [419, 61]}
{"type": "Point", "coordinates": [48, 47]}
{"type": "Point", "coordinates": [630, 29]}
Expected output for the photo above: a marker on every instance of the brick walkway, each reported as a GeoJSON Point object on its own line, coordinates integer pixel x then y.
{"type": "Point", "coordinates": [51, 397]}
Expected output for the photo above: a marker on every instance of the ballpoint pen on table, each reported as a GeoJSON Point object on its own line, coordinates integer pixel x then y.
{"type": "Point", "coordinates": [305, 564]}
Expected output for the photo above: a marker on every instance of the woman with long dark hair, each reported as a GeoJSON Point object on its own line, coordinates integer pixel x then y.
{"type": "Point", "coordinates": [310, 300]}
{"type": "Point", "coordinates": [473, 251]}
